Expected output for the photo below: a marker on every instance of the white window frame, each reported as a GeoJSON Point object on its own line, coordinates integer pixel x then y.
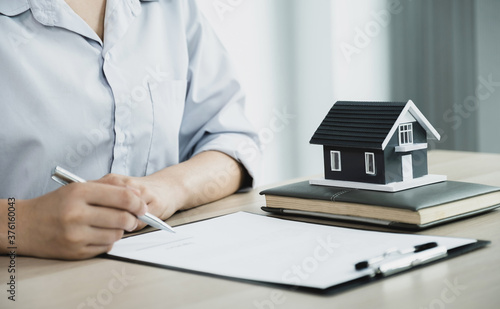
{"type": "Point", "coordinates": [405, 133]}
{"type": "Point", "coordinates": [333, 166]}
{"type": "Point", "coordinates": [370, 163]}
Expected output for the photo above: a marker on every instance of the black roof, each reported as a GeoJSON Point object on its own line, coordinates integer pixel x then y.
{"type": "Point", "coordinates": [358, 124]}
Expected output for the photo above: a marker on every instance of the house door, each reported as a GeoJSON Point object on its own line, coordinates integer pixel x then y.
{"type": "Point", "coordinates": [407, 167]}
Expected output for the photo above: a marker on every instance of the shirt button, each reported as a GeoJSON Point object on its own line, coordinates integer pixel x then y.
{"type": "Point", "coordinates": [107, 57]}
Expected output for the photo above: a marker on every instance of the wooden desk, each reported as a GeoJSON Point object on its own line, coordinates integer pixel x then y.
{"type": "Point", "coordinates": [468, 281]}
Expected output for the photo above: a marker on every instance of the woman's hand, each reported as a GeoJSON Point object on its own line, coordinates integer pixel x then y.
{"type": "Point", "coordinates": [82, 220]}
{"type": "Point", "coordinates": [206, 177]}
{"type": "Point", "coordinates": [77, 221]}
{"type": "Point", "coordinates": [161, 199]}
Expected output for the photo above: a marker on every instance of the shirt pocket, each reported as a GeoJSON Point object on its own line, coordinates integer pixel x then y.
{"type": "Point", "coordinates": [168, 100]}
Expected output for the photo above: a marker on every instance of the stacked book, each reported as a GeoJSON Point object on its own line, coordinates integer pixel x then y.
{"type": "Point", "coordinates": [415, 208]}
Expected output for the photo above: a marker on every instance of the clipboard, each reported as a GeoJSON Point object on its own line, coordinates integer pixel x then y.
{"type": "Point", "coordinates": [261, 240]}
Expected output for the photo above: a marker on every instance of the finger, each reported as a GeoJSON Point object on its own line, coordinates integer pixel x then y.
{"type": "Point", "coordinates": [85, 252]}
{"type": "Point", "coordinates": [98, 249]}
{"type": "Point", "coordinates": [96, 241]}
{"type": "Point", "coordinates": [123, 181]}
{"type": "Point", "coordinates": [113, 179]}
{"type": "Point", "coordinates": [139, 226]}
{"type": "Point", "coordinates": [110, 218]}
{"type": "Point", "coordinates": [130, 183]}
{"type": "Point", "coordinates": [113, 197]}
{"type": "Point", "coordinates": [104, 237]}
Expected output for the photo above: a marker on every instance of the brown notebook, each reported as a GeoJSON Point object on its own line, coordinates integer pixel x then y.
{"type": "Point", "coordinates": [414, 209]}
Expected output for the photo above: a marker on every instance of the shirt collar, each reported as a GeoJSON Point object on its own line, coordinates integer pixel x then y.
{"type": "Point", "coordinates": [16, 7]}
{"type": "Point", "coordinates": [13, 7]}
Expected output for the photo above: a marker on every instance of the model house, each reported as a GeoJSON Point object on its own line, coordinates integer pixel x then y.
{"type": "Point", "coordinates": [380, 143]}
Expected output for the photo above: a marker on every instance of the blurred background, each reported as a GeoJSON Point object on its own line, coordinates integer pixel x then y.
{"type": "Point", "coordinates": [296, 58]}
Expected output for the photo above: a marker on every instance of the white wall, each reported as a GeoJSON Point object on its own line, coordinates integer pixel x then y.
{"type": "Point", "coordinates": [289, 56]}
{"type": "Point", "coordinates": [324, 72]}
{"type": "Point", "coordinates": [360, 51]}
{"type": "Point", "coordinates": [312, 84]}
{"type": "Point", "coordinates": [247, 28]}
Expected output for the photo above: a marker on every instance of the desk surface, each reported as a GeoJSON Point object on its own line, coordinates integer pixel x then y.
{"type": "Point", "coordinates": [468, 281]}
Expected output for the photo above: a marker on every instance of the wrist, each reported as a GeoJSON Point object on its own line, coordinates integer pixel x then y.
{"type": "Point", "coordinates": [170, 190]}
{"type": "Point", "coordinates": [178, 196]}
{"type": "Point", "coordinates": [204, 178]}
{"type": "Point", "coordinates": [3, 226]}
{"type": "Point", "coordinates": [12, 237]}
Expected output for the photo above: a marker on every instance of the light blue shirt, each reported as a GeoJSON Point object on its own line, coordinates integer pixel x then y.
{"type": "Point", "coordinates": [157, 91]}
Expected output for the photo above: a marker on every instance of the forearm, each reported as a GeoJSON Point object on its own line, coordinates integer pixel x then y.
{"type": "Point", "coordinates": [4, 226]}
{"type": "Point", "coordinates": [11, 217]}
{"type": "Point", "coordinates": [206, 177]}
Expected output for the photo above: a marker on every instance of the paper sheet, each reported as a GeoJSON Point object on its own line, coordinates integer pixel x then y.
{"type": "Point", "coordinates": [256, 247]}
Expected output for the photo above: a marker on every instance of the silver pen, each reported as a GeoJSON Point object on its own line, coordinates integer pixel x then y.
{"type": "Point", "coordinates": [65, 177]}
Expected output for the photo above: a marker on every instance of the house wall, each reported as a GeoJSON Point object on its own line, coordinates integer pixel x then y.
{"type": "Point", "coordinates": [393, 165]}
{"type": "Point", "coordinates": [419, 156]}
{"type": "Point", "coordinates": [353, 165]}
{"type": "Point", "coordinates": [387, 163]}
{"type": "Point", "coordinates": [393, 159]}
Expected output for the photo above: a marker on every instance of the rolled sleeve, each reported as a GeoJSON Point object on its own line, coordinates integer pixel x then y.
{"type": "Point", "coordinates": [214, 116]}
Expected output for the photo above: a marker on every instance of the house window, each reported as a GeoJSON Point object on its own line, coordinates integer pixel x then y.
{"type": "Point", "coordinates": [335, 160]}
{"type": "Point", "coordinates": [405, 134]}
{"type": "Point", "coordinates": [370, 163]}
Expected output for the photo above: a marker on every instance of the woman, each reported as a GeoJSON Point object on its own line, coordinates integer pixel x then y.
{"type": "Point", "coordinates": [138, 95]}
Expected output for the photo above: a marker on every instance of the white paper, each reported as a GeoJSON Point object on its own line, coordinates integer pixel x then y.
{"type": "Point", "coordinates": [256, 247]}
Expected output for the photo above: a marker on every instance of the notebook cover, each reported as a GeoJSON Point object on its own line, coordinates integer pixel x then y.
{"type": "Point", "coordinates": [412, 199]}
{"type": "Point", "coordinates": [377, 222]}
